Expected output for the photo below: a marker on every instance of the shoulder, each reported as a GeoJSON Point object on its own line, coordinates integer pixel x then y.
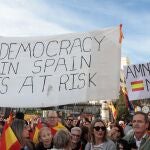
{"type": "Point", "coordinates": [39, 146]}
{"type": "Point", "coordinates": [88, 146]}
{"type": "Point", "coordinates": [57, 149]}
{"type": "Point", "coordinates": [109, 145]}
{"type": "Point", "coordinates": [129, 137]}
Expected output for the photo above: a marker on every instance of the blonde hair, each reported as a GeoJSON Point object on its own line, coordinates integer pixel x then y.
{"type": "Point", "coordinates": [41, 130]}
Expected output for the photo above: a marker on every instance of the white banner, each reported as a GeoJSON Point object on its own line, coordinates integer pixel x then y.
{"type": "Point", "coordinates": [58, 70]}
{"type": "Point", "coordinates": [138, 81]}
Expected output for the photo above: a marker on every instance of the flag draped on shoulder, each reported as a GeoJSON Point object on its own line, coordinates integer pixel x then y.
{"type": "Point", "coordinates": [8, 140]}
{"type": "Point", "coordinates": [56, 128]}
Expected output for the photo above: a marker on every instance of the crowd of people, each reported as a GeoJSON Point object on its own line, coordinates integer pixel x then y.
{"type": "Point", "coordinates": [58, 134]}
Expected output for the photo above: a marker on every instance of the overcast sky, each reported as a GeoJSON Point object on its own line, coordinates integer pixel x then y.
{"type": "Point", "coordinates": [50, 17]}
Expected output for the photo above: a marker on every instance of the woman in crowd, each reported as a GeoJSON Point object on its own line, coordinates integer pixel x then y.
{"type": "Point", "coordinates": [76, 138]}
{"type": "Point", "coordinates": [84, 136]}
{"type": "Point", "coordinates": [21, 130]}
{"type": "Point", "coordinates": [45, 139]}
{"type": "Point", "coordinates": [99, 139]}
{"type": "Point", "coordinates": [116, 133]}
{"type": "Point", "coordinates": [62, 140]}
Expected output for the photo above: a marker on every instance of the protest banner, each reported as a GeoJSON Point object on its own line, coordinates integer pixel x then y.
{"type": "Point", "coordinates": [58, 70]}
{"type": "Point", "coordinates": [138, 81]}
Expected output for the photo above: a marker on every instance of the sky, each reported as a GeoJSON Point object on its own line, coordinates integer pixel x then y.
{"type": "Point", "coordinates": [51, 17]}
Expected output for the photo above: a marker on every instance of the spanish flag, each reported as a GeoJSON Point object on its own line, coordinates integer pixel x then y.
{"type": "Point", "coordinates": [58, 127]}
{"type": "Point", "coordinates": [137, 85]}
{"type": "Point", "coordinates": [113, 110]}
{"type": "Point", "coordinates": [36, 132]}
{"type": "Point", "coordinates": [128, 103]}
{"type": "Point", "coordinates": [8, 140]}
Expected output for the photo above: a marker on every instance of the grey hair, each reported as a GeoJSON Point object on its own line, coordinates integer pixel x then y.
{"type": "Point", "coordinates": [76, 129]}
{"type": "Point", "coordinates": [61, 139]}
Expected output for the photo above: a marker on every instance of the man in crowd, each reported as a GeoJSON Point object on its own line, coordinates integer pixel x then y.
{"type": "Point", "coordinates": [69, 123]}
{"type": "Point", "coordinates": [53, 121]}
{"type": "Point", "coordinates": [139, 136]}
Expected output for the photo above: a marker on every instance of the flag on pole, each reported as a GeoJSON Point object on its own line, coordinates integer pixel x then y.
{"type": "Point", "coordinates": [128, 103]}
{"type": "Point", "coordinates": [113, 110]}
{"type": "Point", "coordinates": [8, 140]}
{"type": "Point", "coordinates": [36, 132]}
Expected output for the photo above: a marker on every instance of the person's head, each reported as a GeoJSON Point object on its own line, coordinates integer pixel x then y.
{"type": "Point", "coordinates": [122, 123]}
{"type": "Point", "coordinates": [52, 117]}
{"type": "Point", "coordinates": [20, 129]}
{"type": "Point", "coordinates": [123, 145]}
{"type": "Point", "coordinates": [69, 120]}
{"type": "Point", "coordinates": [75, 135]}
{"type": "Point", "coordinates": [148, 115]}
{"type": "Point", "coordinates": [140, 124]}
{"type": "Point", "coordinates": [98, 130]}
{"type": "Point", "coordinates": [116, 132]}
{"type": "Point", "coordinates": [19, 115]}
{"type": "Point", "coordinates": [75, 122]}
{"type": "Point", "coordinates": [45, 137]}
{"type": "Point", "coordinates": [1, 117]}
{"type": "Point", "coordinates": [62, 140]}
{"type": "Point", "coordinates": [87, 123]}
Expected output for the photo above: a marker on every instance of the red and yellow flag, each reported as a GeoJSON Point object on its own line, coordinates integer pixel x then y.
{"type": "Point", "coordinates": [8, 140]}
{"type": "Point", "coordinates": [36, 132]}
{"type": "Point", "coordinates": [113, 109]}
{"type": "Point", "coordinates": [137, 85]}
{"type": "Point", "coordinates": [128, 103]}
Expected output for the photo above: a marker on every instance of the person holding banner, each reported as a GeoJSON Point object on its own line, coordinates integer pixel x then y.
{"type": "Point", "coordinates": [139, 136]}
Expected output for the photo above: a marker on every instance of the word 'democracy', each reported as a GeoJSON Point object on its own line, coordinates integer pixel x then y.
{"type": "Point", "coordinates": [50, 70]}
{"type": "Point", "coordinates": [55, 60]}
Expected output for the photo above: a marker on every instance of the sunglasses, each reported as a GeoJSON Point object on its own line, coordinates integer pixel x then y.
{"type": "Point", "coordinates": [70, 120]}
{"type": "Point", "coordinates": [97, 128]}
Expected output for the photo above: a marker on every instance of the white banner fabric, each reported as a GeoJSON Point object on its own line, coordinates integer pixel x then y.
{"type": "Point", "coordinates": [138, 81]}
{"type": "Point", "coordinates": [58, 70]}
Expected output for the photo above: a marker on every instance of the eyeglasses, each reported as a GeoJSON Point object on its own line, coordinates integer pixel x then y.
{"type": "Point", "coordinates": [52, 117]}
{"type": "Point", "coordinates": [76, 135]}
{"type": "Point", "coordinates": [97, 128]}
